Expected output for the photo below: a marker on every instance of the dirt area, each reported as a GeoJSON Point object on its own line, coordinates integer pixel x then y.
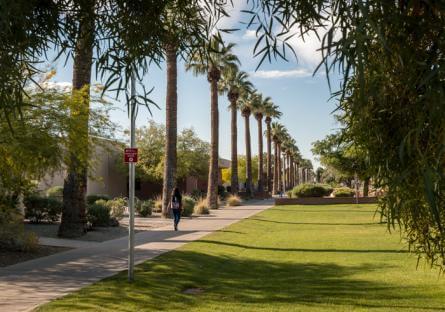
{"type": "Point", "coordinates": [101, 234]}
{"type": "Point", "coordinates": [13, 257]}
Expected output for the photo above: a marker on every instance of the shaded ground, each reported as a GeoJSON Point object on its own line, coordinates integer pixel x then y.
{"type": "Point", "coordinates": [13, 257]}
{"type": "Point", "coordinates": [100, 234]}
{"type": "Point", "coordinates": [289, 258]}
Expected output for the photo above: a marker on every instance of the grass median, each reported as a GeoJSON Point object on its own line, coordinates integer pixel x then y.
{"type": "Point", "coordinates": [288, 258]}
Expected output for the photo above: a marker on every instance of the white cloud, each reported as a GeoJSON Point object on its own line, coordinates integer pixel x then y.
{"type": "Point", "coordinates": [277, 74]}
{"type": "Point", "coordinates": [63, 86]}
{"type": "Point", "coordinates": [249, 34]}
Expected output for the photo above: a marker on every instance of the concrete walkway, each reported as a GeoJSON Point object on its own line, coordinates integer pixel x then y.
{"type": "Point", "coordinates": [27, 285]}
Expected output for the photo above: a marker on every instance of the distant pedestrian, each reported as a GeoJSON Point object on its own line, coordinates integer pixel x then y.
{"type": "Point", "coordinates": [176, 206]}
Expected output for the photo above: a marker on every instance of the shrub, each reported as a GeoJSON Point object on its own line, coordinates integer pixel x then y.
{"type": "Point", "coordinates": [311, 190]}
{"type": "Point", "coordinates": [158, 204]}
{"type": "Point", "coordinates": [201, 207]}
{"type": "Point", "coordinates": [329, 189]}
{"type": "Point", "coordinates": [188, 205]}
{"type": "Point", "coordinates": [98, 214]}
{"type": "Point", "coordinates": [40, 208]}
{"type": "Point", "coordinates": [344, 192]}
{"type": "Point", "coordinates": [12, 232]}
{"type": "Point", "coordinates": [91, 199]}
{"type": "Point", "coordinates": [145, 208]}
{"type": "Point", "coordinates": [233, 200]}
{"type": "Point", "coordinates": [117, 207]}
{"type": "Point", "coordinates": [289, 194]}
{"type": "Point", "coordinates": [197, 194]}
{"type": "Point", "coordinates": [55, 192]}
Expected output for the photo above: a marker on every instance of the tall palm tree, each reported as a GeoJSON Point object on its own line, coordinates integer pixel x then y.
{"type": "Point", "coordinates": [73, 222]}
{"type": "Point", "coordinates": [216, 58]}
{"type": "Point", "coordinates": [277, 131]}
{"type": "Point", "coordinates": [260, 105]}
{"type": "Point", "coordinates": [246, 111]}
{"type": "Point", "coordinates": [171, 124]}
{"type": "Point", "coordinates": [235, 83]}
{"type": "Point", "coordinates": [271, 111]}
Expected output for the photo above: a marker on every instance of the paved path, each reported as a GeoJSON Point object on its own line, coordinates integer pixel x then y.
{"type": "Point", "coordinates": [26, 285]}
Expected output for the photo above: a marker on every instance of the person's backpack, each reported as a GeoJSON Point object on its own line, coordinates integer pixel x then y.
{"type": "Point", "coordinates": [175, 203]}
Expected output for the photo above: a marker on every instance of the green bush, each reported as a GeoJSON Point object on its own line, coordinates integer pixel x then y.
{"type": "Point", "coordinates": [188, 205]}
{"type": "Point", "coordinates": [91, 199]}
{"type": "Point", "coordinates": [98, 214]}
{"type": "Point", "coordinates": [289, 194]}
{"type": "Point", "coordinates": [12, 232]}
{"type": "Point", "coordinates": [40, 208]}
{"type": "Point", "coordinates": [117, 207]}
{"type": "Point", "coordinates": [55, 192]}
{"type": "Point", "coordinates": [145, 207]}
{"type": "Point", "coordinates": [343, 192]}
{"type": "Point", "coordinates": [311, 190]}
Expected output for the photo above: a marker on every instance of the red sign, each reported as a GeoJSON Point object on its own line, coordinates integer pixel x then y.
{"type": "Point", "coordinates": [131, 155]}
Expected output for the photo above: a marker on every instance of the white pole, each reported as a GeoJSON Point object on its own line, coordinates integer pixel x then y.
{"type": "Point", "coordinates": [132, 108]}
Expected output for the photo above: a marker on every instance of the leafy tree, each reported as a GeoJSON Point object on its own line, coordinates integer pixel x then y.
{"type": "Point", "coordinates": [343, 158]}
{"type": "Point", "coordinates": [193, 154]}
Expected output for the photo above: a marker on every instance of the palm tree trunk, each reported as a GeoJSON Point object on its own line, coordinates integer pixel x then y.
{"type": "Point", "coordinates": [212, 188]}
{"type": "Point", "coordinates": [291, 173]}
{"type": "Point", "coordinates": [269, 156]}
{"type": "Point", "coordinates": [260, 155]}
{"type": "Point", "coordinates": [280, 173]}
{"type": "Point", "coordinates": [366, 187]}
{"type": "Point", "coordinates": [234, 138]}
{"type": "Point", "coordinates": [73, 223]}
{"type": "Point", "coordinates": [171, 126]}
{"type": "Point", "coordinates": [248, 156]}
{"type": "Point", "coordinates": [275, 186]}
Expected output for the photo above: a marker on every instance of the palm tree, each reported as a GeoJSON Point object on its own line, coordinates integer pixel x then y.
{"type": "Point", "coordinates": [277, 131]}
{"type": "Point", "coordinates": [212, 61]}
{"type": "Point", "coordinates": [270, 111]}
{"type": "Point", "coordinates": [260, 105]}
{"type": "Point", "coordinates": [246, 111]}
{"type": "Point", "coordinates": [235, 83]}
{"type": "Point", "coordinates": [171, 125]}
{"type": "Point", "coordinates": [73, 222]}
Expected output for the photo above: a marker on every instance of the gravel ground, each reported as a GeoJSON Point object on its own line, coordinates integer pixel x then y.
{"type": "Point", "coordinates": [13, 257]}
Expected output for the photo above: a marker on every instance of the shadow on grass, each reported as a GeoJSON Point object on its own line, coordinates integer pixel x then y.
{"type": "Point", "coordinates": [312, 223]}
{"type": "Point", "coordinates": [302, 249]}
{"type": "Point", "coordinates": [235, 282]}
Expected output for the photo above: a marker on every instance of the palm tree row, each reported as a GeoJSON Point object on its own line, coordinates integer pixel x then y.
{"type": "Point", "coordinates": [222, 69]}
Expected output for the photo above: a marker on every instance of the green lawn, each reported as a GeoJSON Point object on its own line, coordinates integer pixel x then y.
{"type": "Point", "coordinates": [288, 258]}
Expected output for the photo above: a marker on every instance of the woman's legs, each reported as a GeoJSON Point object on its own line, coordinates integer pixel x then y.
{"type": "Point", "coordinates": [177, 217]}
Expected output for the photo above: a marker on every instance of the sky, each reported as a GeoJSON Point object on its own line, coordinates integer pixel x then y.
{"type": "Point", "coordinates": [303, 98]}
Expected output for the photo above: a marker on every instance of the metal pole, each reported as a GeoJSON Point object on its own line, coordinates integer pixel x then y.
{"type": "Point", "coordinates": [132, 107]}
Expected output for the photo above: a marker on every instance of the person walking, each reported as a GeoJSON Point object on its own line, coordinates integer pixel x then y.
{"type": "Point", "coordinates": [176, 206]}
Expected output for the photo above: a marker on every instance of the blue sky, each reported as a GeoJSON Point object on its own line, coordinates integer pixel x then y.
{"type": "Point", "coordinates": [302, 97]}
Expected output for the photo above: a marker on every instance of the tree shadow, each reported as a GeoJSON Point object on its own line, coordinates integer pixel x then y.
{"type": "Point", "coordinates": [313, 223]}
{"type": "Point", "coordinates": [240, 282]}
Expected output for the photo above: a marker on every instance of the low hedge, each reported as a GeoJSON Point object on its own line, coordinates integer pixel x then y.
{"type": "Point", "coordinates": [38, 208]}
{"type": "Point", "coordinates": [344, 192]}
{"type": "Point", "coordinates": [311, 190]}
{"type": "Point", "coordinates": [144, 208]}
{"type": "Point", "coordinates": [91, 199]}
